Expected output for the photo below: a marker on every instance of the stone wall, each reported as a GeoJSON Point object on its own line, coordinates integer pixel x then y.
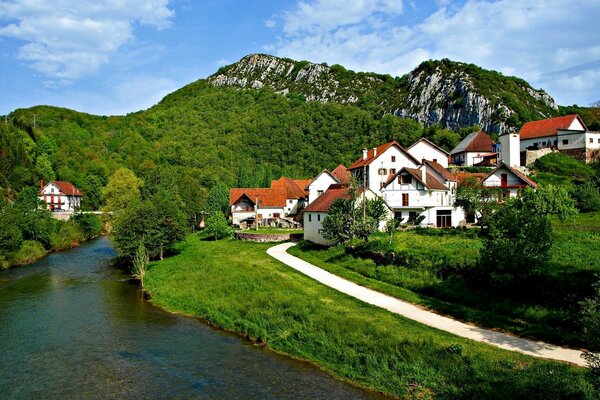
{"type": "Point", "coordinates": [528, 157]}
{"type": "Point", "coordinates": [268, 237]}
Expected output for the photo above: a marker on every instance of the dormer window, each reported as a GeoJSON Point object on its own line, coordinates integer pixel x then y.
{"type": "Point", "coordinates": [382, 171]}
{"type": "Point", "coordinates": [405, 179]}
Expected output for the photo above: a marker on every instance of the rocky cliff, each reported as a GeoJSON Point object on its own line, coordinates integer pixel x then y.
{"type": "Point", "coordinates": [444, 92]}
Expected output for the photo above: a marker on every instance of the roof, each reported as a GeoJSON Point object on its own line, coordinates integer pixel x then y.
{"type": "Point", "coordinates": [548, 127]}
{"type": "Point", "coordinates": [430, 183]}
{"type": "Point", "coordinates": [518, 173]}
{"type": "Point", "coordinates": [294, 189]}
{"type": "Point", "coordinates": [66, 188]}
{"type": "Point", "coordinates": [473, 142]}
{"type": "Point", "coordinates": [380, 150]}
{"type": "Point", "coordinates": [342, 174]}
{"type": "Point", "coordinates": [324, 201]}
{"type": "Point", "coordinates": [429, 142]}
{"type": "Point", "coordinates": [303, 183]}
{"type": "Point", "coordinates": [437, 167]}
{"type": "Point", "coordinates": [267, 197]}
{"type": "Point", "coordinates": [461, 176]}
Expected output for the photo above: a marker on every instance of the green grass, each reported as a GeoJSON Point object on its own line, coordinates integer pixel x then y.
{"type": "Point", "coordinates": [434, 262]}
{"type": "Point", "coordinates": [236, 286]}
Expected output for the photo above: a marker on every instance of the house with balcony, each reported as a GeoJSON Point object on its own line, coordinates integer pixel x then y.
{"type": "Point", "coordinates": [509, 180]}
{"type": "Point", "coordinates": [60, 196]}
{"type": "Point", "coordinates": [426, 193]}
{"type": "Point", "coordinates": [473, 149]}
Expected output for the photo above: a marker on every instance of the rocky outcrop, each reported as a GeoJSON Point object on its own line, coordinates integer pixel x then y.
{"type": "Point", "coordinates": [450, 94]}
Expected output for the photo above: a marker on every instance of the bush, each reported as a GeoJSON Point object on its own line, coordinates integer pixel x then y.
{"type": "Point", "coordinates": [217, 226]}
{"type": "Point", "coordinates": [29, 251]}
{"type": "Point", "coordinates": [89, 224]}
{"type": "Point", "coordinates": [68, 235]}
{"type": "Point", "coordinates": [587, 197]}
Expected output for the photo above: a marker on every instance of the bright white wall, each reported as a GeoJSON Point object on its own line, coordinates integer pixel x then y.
{"type": "Point", "coordinates": [423, 150]}
{"type": "Point", "coordinates": [321, 183]}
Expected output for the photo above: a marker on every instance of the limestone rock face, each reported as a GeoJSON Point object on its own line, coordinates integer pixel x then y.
{"type": "Point", "coordinates": [446, 93]}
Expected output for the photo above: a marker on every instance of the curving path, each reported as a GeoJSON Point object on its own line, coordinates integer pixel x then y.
{"type": "Point", "coordinates": [410, 311]}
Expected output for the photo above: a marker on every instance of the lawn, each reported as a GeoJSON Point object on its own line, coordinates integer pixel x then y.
{"type": "Point", "coordinates": [434, 262]}
{"type": "Point", "coordinates": [236, 286]}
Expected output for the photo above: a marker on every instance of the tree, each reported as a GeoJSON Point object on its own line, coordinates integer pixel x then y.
{"type": "Point", "coordinates": [478, 202]}
{"type": "Point", "coordinates": [391, 226]}
{"type": "Point", "coordinates": [587, 198]}
{"type": "Point", "coordinates": [217, 226]}
{"type": "Point", "coordinates": [122, 189]}
{"type": "Point", "coordinates": [140, 261]}
{"type": "Point", "coordinates": [218, 199]}
{"type": "Point", "coordinates": [590, 318]}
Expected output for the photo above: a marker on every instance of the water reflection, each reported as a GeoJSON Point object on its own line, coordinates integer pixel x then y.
{"type": "Point", "coordinates": [71, 326]}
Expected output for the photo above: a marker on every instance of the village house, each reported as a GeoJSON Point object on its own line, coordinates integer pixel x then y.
{"type": "Point", "coordinates": [509, 180]}
{"type": "Point", "coordinates": [473, 149]}
{"type": "Point", "coordinates": [376, 165]}
{"type": "Point", "coordinates": [318, 186]}
{"type": "Point", "coordinates": [296, 193]}
{"type": "Point", "coordinates": [60, 196]}
{"type": "Point", "coordinates": [424, 149]}
{"type": "Point", "coordinates": [567, 134]}
{"type": "Point", "coordinates": [427, 192]}
{"type": "Point", "coordinates": [262, 204]}
{"type": "Point", "coordinates": [316, 212]}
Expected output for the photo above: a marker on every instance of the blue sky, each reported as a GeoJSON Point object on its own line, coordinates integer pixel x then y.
{"type": "Point", "coordinates": [118, 56]}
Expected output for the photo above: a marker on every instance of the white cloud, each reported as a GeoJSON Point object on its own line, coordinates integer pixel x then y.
{"type": "Point", "coordinates": [527, 39]}
{"type": "Point", "coordinates": [68, 39]}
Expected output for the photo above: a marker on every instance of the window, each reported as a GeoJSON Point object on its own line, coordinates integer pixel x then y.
{"type": "Point", "coordinates": [290, 201]}
{"type": "Point", "coordinates": [319, 217]}
{"type": "Point", "coordinates": [435, 160]}
{"type": "Point", "coordinates": [405, 179]}
{"type": "Point", "coordinates": [393, 158]}
{"type": "Point", "coordinates": [398, 216]}
{"type": "Point", "coordinates": [598, 140]}
{"type": "Point", "coordinates": [309, 217]}
{"type": "Point", "coordinates": [404, 199]}
{"type": "Point", "coordinates": [259, 216]}
{"type": "Point", "coordinates": [276, 215]}
{"type": "Point", "coordinates": [382, 171]}
{"type": "Point", "coordinates": [319, 192]}
{"type": "Point", "coordinates": [591, 140]}
{"type": "Point", "coordinates": [565, 141]}
{"type": "Point", "coordinates": [392, 171]}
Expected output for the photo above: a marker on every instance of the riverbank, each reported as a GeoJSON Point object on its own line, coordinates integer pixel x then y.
{"type": "Point", "coordinates": [236, 286]}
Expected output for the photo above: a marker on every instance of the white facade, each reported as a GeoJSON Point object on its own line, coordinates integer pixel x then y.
{"type": "Point", "coordinates": [55, 200]}
{"type": "Point", "coordinates": [424, 150]}
{"type": "Point", "coordinates": [313, 227]}
{"type": "Point", "coordinates": [319, 185]}
{"type": "Point", "coordinates": [510, 149]}
{"type": "Point", "coordinates": [505, 179]}
{"type": "Point", "coordinates": [468, 158]}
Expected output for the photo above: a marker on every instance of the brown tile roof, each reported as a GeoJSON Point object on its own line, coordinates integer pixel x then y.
{"type": "Point", "coordinates": [342, 174]}
{"type": "Point", "coordinates": [547, 127]}
{"type": "Point", "coordinates": [440, 170]}
{"type": "Point", "coordinates": [461, 176]}
{"type": "Point", "coordinates": [473, 142]}
{"type": "Point", "coordinates": [380, 150]}
{"type": "Point", "coordinates": [324, 201]}
{"type": "Point", "coordinates": [267, 197]}
{"type": "Point", "coordinates": [431, 182]}
{"type": "Point", "coordinates": [518, 173]}
{"type": "Point", "coordinates": [292, 190]}
{"type": "Point", "coordinates": [66, 188]}
{"type": "Point", "coordinates": [303, 183]}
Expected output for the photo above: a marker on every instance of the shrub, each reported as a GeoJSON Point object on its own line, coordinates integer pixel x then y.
{"type": "Point", "coordinates": [29, 251]}
{"type": "Point", "coordinates": [89, 224]}
{"type": "Point", "coordinates": [217, 226]}
{"type": "Point", "coordinates": [67, 235]}
{"type": "Point", "coordinates": [587, 197]}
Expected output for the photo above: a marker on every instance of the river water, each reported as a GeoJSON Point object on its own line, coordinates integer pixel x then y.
{"type": "Point", "coordinates": [73, 327]}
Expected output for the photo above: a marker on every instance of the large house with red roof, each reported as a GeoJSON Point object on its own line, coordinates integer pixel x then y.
{"type": "Point", "coordinates": [567, 134]}
{"type": "Point", "coordinates": [473, 149]}
{"type": "Point", "coordinates": [60, 196]}
{"type": "Point", "coordinates": [376, 165]}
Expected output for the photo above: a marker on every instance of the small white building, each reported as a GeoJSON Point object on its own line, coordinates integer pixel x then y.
{"type": "Point", "coordinates": [376, 165]}
{"type": "Point", "coordinates": [60, 196]}
{"type": "Point", "coordinates": [262, 204]}
{"type": "Point", "coordinates": [424, 149]}
{"type": "Point", "coordinates": [339, 176]}
{"type": "Point", "coordinates": [317, 211]}
{"type": "Point", "coordinates": [428, 192]}
{"type": "Point", "coordinates": [474, 148]}
{"type": "Point", "coordinates": [509, 180]}
{"type": "Point", "coordinates": [567, 134]}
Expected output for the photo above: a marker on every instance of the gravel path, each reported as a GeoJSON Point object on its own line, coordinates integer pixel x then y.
{"type": "Point", "coordinates": [411, 311]}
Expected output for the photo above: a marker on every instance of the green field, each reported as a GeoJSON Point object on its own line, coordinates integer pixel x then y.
{"type": "Point", "coordinates": [436, 262]}
{"type": "Point", "coordinates": [236, 286]}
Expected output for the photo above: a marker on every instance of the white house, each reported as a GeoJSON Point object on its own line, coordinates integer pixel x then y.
{"type": "Point", "coordinates": [376, 165]}
{"type": "Point", "coordinates": [426, 191]}
{"type": "Point", "coordinates": [262, 204]}
{"type": "Point", "coordinates": [568, 134]}
{"type": "Point", "coordinates": [315, 213]}
{"type": "Point", "coordinates": [60, 196]}
{"type": "Point", "coordinates": [318, 186]}
{"type": "Point", "coordinates": [296, 193]}
{"type": "Point", "coordinates": [509, 180]}
{"type": "Point", "coordinates": [474, 148]}
{"type": "Point", "coordinates": [424, 149]}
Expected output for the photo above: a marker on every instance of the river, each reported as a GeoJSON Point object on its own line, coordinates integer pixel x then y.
{"type": "Point", "coordinates": [73, 327]}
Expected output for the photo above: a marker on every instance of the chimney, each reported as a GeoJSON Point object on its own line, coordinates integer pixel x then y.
{"type": "Point", "coordinates": [41, 183]}
{"type": "Point", "coordinates": [364, 154]}
{"type": "Point", "coordinates": [374, 151]}
{"type": "Point", "coordinates": [424, 173]}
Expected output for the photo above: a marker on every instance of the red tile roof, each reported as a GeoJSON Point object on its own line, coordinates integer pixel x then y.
{"type": "Point", "coordinates": [66, 188]}
{"type": "Point", "coordinates": [292, 190]}
{"type": "Point", "coordinates": [548, 127]}
{"type": "Point", "coordinates": [303, 183]}
{"type": "Point", "coordinates": [342, 174]}
{"type": "Point", "coordinates": [324, 201]}
{"type": "Point", "coordinates": [447, 175]}
{"type": "Point", "coordinates": [474, 142]}
{"type": "Point", "coordinates": [267, 197]}
{"type": "Point", "coordinates": [380, 150]}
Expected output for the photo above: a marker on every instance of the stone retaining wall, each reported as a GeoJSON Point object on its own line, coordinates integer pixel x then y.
{"type": "Point", "coordinates": [269, 237]}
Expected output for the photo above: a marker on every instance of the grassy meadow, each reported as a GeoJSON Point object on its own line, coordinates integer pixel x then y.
{"type": "Point", "coordinates": [433, 264]}
{"type": "Point", "coordinates": [236, 286]}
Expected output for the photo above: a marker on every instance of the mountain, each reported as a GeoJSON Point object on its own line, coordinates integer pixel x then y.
{"type": "Point", "coordinates": [447, 93]}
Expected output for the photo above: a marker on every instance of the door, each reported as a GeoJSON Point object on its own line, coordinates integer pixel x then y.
{"type": "Point", "coordinates": [504, 180]}
{"type": "Point", "coordinates": [444, 218]}
{"type": "Point", "coordinates": [404, 199]}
